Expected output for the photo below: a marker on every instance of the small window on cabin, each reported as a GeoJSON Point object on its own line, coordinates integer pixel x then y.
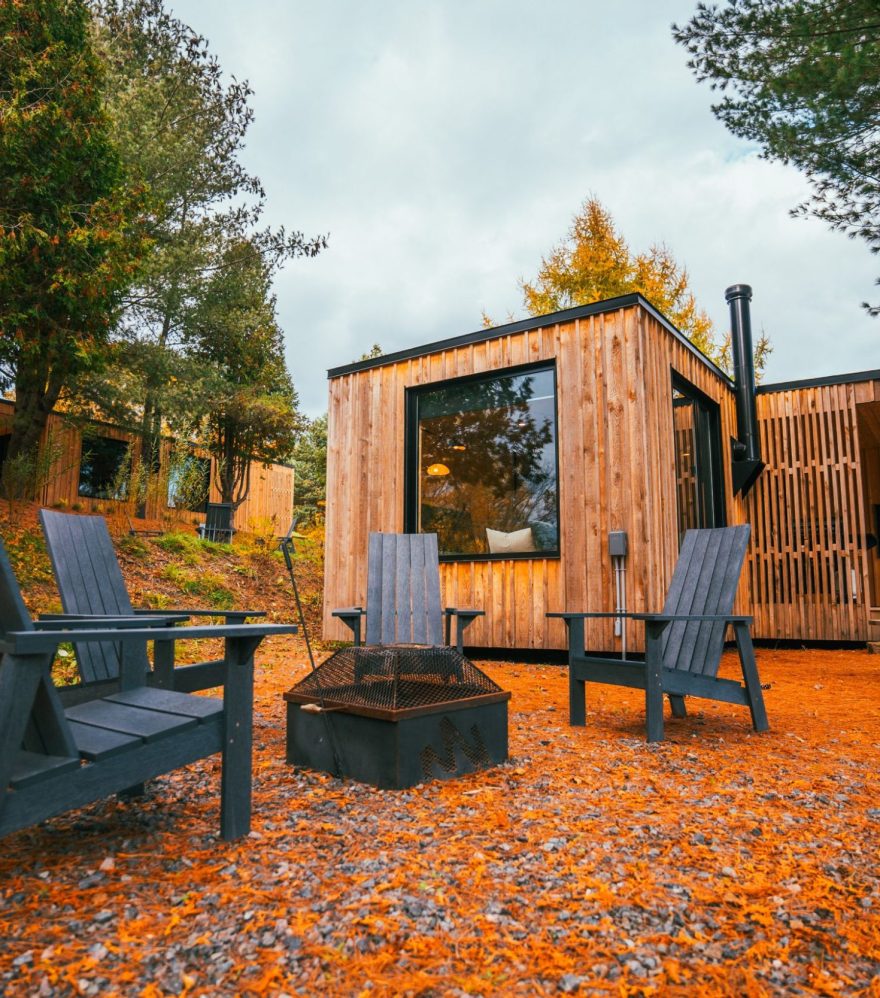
{"type": "Point", "coordinates": [104, 468]}
{"type": "Point", "coordinates": [482, 469]}
{"type": "Point", "coordinates": [188, 483]}
{"type": "Point", "coordinates": [698, 474]}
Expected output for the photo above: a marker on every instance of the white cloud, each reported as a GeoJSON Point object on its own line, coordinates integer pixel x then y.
{"type": "Point", "coordinates": [446, 145]}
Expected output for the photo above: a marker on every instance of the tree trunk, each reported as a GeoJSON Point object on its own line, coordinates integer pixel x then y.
{"type": "Point", "coordinates": [36, 393]}
{"type": "Point", "coordinates": [151, 441]}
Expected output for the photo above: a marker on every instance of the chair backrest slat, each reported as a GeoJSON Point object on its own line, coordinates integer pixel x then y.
{"type": "Point", "coordinates": [403, 590]}
{"type": "Point", "coordinates": [704, 582]}
{"type": "Point", "coordinates": [31, 716]}
{"type": "Point", "coordinates": [90, 581]}
{"type": "Point", "coordinates": [14, 614]}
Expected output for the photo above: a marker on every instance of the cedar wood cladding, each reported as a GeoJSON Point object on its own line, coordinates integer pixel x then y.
{"type": "Point", "coordinates": [616, 467]}
{"type": "Point", "coordinates": [270, 497]}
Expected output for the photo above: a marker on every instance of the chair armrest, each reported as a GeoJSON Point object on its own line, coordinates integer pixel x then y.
{"type": "Point", "coordinates": [81, 622]}
{"type": "Point", "coordinates": [35, 642]}
{"type": "Point", "coordinates": [464, 618]}
{"type": "Point", "coordinates": [351, 616]}
{"type": "Point", "coordinates": [730, 618]}
{"type": "Point", "coordinates": [568, 615]}
{"type": "Point", "coordinates": [669, 617]}
{"type": "Point", "coordinates": [230, 615]}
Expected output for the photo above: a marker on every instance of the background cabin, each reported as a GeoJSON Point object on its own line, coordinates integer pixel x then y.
{"type": "Point", "coordinates": [525, 445]}
{"type": "Point", "coordinates": [86, 475]}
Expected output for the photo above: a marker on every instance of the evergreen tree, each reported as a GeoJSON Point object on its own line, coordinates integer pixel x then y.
{"type": "Point", "coordinates": [237, 378]}
{"type": "Point", "coordinates": [802, 79]}
{"type": "Point", "coordinates": [182, 129]}
{"type": "Point", "coordinates": [69, 235]}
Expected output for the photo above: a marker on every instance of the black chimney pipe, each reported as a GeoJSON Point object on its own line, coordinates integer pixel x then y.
{"type": "Point", "coordinates": [747, 463]}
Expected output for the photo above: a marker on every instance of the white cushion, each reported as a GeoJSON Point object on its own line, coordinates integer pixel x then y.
{"type": "Point", "coordinates": [512, 543]}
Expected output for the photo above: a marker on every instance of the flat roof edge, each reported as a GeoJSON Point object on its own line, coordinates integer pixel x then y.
{"type": "Point", "coordinates": [831, 379]}
{"type": "Point", "coordinates": [521, 325]}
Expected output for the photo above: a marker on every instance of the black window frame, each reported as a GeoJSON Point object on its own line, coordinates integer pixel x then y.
{"type": "Point", "coordinates": [712, 503]}
{"type": "Point", "coordinates": [102, 492]}
{"type": "Point", "coordinates": [411, 458]}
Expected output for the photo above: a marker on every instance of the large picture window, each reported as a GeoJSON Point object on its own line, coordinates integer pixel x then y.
{"type": "Point", "coordinates": [482, 465]}
{"type": "Point", "coordinates": [103, 468]}
{"type": "Point", "coordinates": [698, 475]}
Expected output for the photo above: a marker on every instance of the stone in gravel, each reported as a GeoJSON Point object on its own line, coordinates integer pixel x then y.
{"type": "Point", "coordinates": [570, 983]}
{"type": "Point", "coordinates": [25, 958]}
{"type": "Point", "coordinates": [91, 881]}
{"type": "Point", "coordinates": [103, 916]}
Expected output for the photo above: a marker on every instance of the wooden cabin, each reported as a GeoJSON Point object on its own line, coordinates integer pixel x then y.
{"type": "Point", "coordinates": [85, 475]}
{"type": "Point", "coordinates": [524, 446]}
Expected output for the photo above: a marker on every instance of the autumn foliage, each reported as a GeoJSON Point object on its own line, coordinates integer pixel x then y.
{"type": "Point", "coordinates": [719, 862]}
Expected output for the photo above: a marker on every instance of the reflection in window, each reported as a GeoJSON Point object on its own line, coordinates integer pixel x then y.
{"type": "Point", "coordinates": [482, 464]}
{"type": "Point", "coordinates": [698, 476]}
{"type": "Point", "coordinates": [103, 468]}
{"type": "Point", "coordinates": [188, 483]}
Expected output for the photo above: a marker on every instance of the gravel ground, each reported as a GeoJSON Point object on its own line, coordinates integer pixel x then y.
{"type": "Point", "coordinates": [719, 862]}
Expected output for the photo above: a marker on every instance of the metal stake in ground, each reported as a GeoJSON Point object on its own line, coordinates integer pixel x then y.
{"type": "Point", "coordinates": [288, 549]}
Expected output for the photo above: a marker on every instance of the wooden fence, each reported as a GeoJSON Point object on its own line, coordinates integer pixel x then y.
{"type": "Point", "coordinates": [812, 571]}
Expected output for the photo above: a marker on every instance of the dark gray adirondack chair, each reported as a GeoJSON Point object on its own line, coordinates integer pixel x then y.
{"type": "Point", "coordinates": [218, 523]}
{"type": "Point", "coordinates": [403, 595]}
{"type": "Point", "coordinates": [91, 584]}
{"type": "Point", "coordinates": [683, 643]}
{"type": "Point", "coordinates": [54, 759]}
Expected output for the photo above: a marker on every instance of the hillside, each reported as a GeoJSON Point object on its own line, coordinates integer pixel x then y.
{"type": "Point", "coordinates": [177, 569]}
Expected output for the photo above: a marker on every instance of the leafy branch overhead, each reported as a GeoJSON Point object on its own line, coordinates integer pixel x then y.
{"type": "Point", "coordinates": [71, 217]}
{"type": "Point", "coordinates": [801, 78]}
{"type": "Point", "coordinates": [182, 127]}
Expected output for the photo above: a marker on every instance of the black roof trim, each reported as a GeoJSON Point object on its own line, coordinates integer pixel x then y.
{"type": "Point", "coordinates": [831, 379]}
{"type": "Point", "coordinates": [533, 322]}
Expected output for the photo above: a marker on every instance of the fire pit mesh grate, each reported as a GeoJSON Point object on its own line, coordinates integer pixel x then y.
{"type": "Point", "coordinates": [394, 677]}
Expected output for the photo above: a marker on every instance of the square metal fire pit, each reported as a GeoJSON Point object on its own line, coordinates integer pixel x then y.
{"type": "Point", "coordinates": [397, 715]}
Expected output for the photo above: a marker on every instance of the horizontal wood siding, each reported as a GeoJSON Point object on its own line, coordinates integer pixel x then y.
{"type": "Point", "coordinates": [617, 472]}
{"type": "Point", "coordinates": [809, 567]}
{"type": "Point", "coordinates": [269, 502]}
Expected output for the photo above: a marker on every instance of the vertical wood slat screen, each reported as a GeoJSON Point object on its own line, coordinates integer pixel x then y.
{"type": "Point", "coordinates": [808, 564]}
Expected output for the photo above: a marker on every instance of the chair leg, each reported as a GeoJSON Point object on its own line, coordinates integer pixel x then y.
{"type": "Point", "coordinates": [654, 682]}
{"type": "Point", "coordinates": [677, 704]}
{"type": "Point", "coordinates": [750, 676]}
{"type": "Point", "coordinates": [235, 780]}
{"type": "Point", "coordinates": [577, 688]}
{"type": "Point", "coordinates": [132, 792]}
{"type": "Point", "coordinates": [577, 701]}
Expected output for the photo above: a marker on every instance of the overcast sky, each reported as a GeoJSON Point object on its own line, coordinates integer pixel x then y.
{"type": "Point", "coordinates": [445, 145]}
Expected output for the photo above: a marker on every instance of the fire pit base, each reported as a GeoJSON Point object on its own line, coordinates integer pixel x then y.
{"type": "Point", "coordinates": [399, 753]}
{"type": "Point", "coordinates": [397, 715]}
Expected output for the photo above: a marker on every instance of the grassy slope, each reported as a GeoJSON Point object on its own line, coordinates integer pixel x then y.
{"type": "Point", "coordinates": [179, 570]}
